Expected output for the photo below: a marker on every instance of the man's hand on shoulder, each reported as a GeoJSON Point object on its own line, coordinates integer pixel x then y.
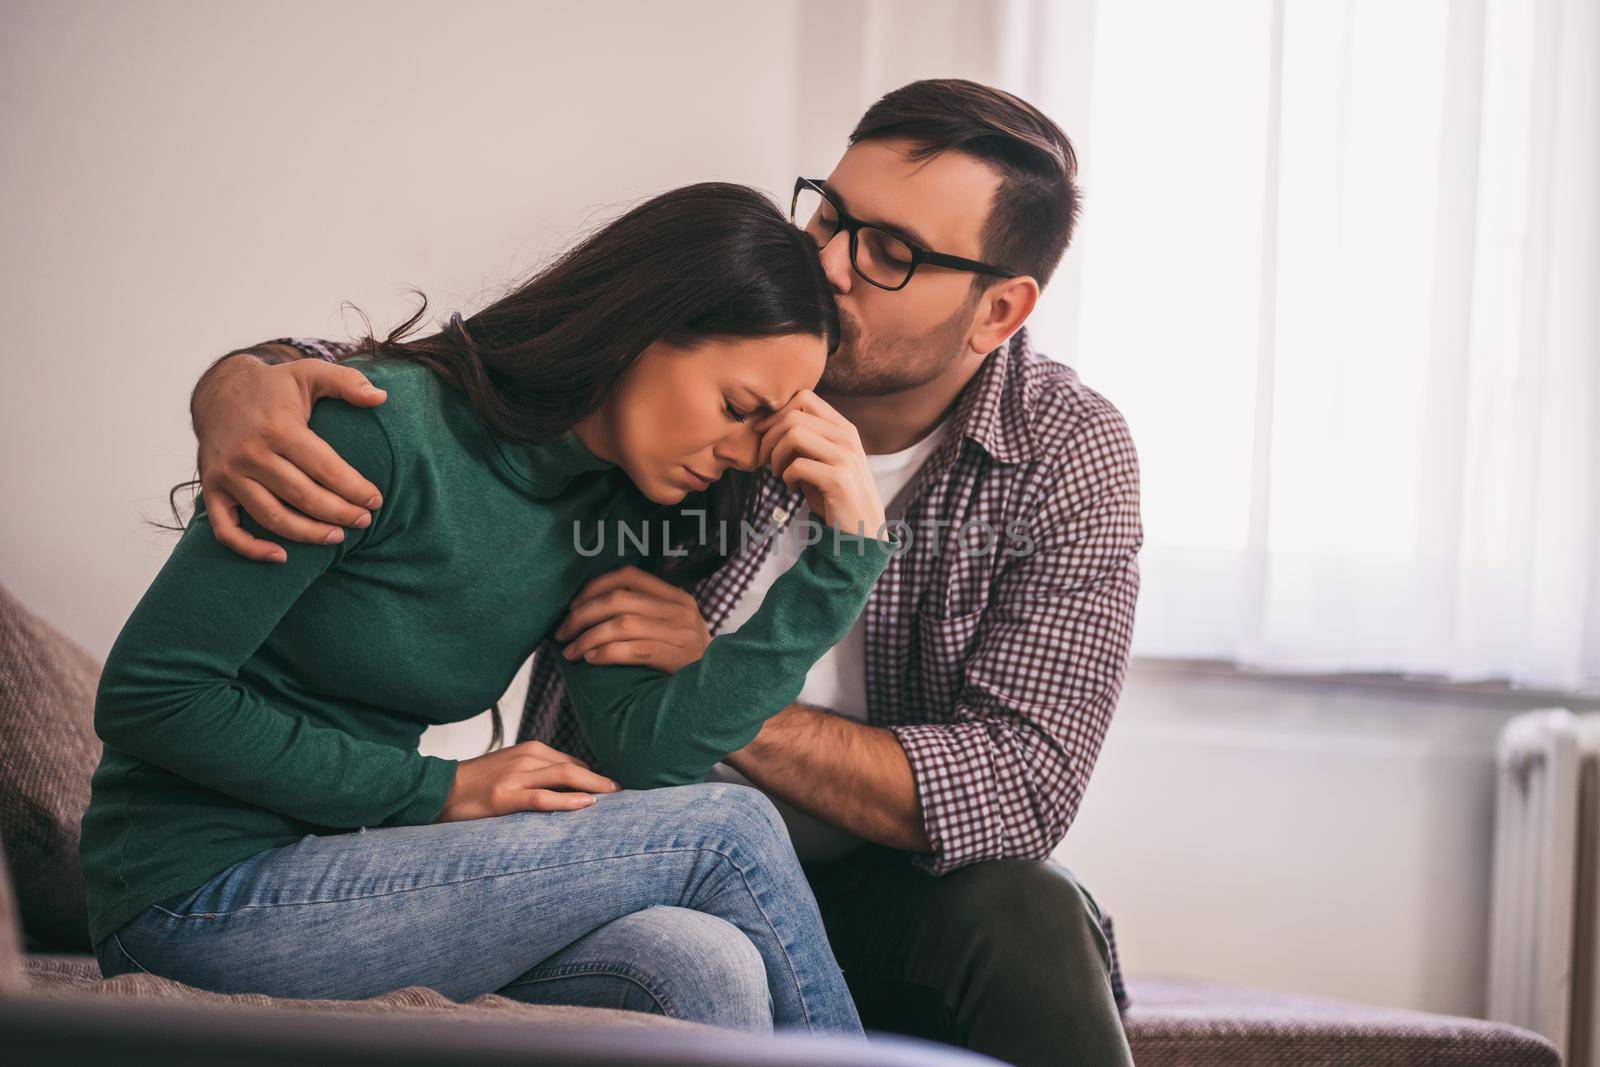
{"type": "Point", "coordinates": [258, 452]}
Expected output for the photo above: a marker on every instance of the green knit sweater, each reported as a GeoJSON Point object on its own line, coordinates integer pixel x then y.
{"type": "Point", "coordinates": [246, 705]}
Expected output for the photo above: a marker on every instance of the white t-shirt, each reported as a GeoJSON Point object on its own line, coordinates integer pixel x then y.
{"type": "Point", "coordinates": [838, 681]}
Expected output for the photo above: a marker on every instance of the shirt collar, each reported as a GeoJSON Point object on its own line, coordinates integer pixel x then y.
{"type": "Point", "coordinates": [545, 469]}
{"type": "Point", "coordinates": [992, 410]}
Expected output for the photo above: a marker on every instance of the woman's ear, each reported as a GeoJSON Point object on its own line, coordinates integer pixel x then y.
{"type": "Point", "coordinates": [1001, 312]}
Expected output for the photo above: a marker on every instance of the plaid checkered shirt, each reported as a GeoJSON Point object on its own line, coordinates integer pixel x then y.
{"type": "Point", "coordinates": [997, 642]}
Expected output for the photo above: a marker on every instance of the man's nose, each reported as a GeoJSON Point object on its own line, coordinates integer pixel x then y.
{"type": "Point", "coordinates": [836, 262]}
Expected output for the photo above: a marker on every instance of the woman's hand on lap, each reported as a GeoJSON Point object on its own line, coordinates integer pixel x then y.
{"type": "Point", "coordinates": [530, 776]}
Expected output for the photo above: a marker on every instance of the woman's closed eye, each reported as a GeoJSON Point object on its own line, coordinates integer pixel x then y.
{"type": "Point", "coordinates": [734, 413]}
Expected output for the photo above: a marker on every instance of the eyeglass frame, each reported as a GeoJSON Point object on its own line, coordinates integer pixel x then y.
{"type": "Point", "coordinates": [919, 254]}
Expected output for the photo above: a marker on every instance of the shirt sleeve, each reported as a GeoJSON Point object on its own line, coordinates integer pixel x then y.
{"type": "Point", "coordinates": [649, 728]}
{"type": "Point", "coordinates": [1005, 776]}
{"type": "Point", "coordinates": [171, 694]}
{"type": "Point", "coordinates": [317, 348]}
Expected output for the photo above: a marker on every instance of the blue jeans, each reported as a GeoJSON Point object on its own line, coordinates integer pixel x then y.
{"type": "Point", "coordinates": [687, 901]}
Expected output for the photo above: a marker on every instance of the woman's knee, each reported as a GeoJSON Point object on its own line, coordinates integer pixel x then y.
{"type": "Point", "coordinates": [699, 967]}
{"type": "Point", "coordinates": [746, 820]}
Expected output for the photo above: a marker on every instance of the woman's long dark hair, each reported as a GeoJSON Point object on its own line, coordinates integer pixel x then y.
{"type": "Point", "coordinates": [707, 261]}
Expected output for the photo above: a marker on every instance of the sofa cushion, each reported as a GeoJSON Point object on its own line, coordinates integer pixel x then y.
{"type": "Point", "coordinates": [79, 976]}
{"type": "Point", "coordinates": [1201, 1024]}
{"type": "Point", "coordinates": [48, 752]}
{"type": "Point", "coordinates": [61, 969]}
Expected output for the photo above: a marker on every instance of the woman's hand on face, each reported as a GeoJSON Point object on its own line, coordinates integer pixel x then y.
{"type": "Point", "coordinates": [630, 616]}
{"type": "Point", "coordinates": [531, 776]}
{"type": "Point", "coordinates": [811, 446]}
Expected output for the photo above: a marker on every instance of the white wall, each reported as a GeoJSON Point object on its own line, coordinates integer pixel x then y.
{"type": "Point", "coordinates": [185, 178]}
{"type": "Point", "coordinates": [1314, 836]}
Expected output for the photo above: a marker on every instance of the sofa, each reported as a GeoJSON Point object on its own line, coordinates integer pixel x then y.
{"type": "Point", "coordinates": [56, 1007]}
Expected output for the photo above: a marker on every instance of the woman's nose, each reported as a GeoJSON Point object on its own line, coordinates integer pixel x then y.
{"type": "Point", "coordinates": [740, 449]}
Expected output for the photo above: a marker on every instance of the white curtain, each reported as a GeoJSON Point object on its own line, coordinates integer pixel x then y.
{"type": "Point", "coordinates": [1340, 267]}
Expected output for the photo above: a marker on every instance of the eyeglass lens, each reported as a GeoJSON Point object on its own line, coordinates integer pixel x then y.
{"type": "Point", "coordinates": [877, 254]}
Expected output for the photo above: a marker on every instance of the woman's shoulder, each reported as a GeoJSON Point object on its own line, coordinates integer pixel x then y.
{"type": "Point", "coordinates": [421, 422]}
{"type": "Point", "coordinates": [401, 378]}
{"type": "Point", "coordinates": [376, 440]}
{"type": "Point", "coordinates": [411, 409]}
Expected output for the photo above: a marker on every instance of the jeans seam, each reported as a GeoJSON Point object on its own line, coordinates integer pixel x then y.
{"type": "Point", "coordinates": [603, 970]}
{"type": "Point", "coordinates": [761, 909]}
{"type": "Point", "coordinates": [117, 940]}
{"type": "Point", "coordinates": [440, 885]}
{"type": "Point", "coordinates": [788, 957]}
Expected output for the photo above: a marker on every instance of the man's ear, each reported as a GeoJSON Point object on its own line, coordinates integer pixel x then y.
{"type": "Point", "coordinates": [1001, 312]}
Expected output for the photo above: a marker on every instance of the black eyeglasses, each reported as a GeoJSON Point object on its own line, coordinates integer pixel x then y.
{"type": "Point", "coordinates": [883, 257]}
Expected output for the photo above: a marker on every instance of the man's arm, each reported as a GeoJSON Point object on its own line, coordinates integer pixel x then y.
{"type": "Point", "coordinates": [267, 353]}
{"type": "Point", "coordinates": [250, 409]}
{"type": "Point", "coordinates": [1005, 776]}
{"type": "Point", "coordinates": [845, 772]}
{"type": "Point", "coordinates": [851, 774]}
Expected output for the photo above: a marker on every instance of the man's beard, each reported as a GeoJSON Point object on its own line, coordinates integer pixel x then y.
{"type": "Point", "coordinates": [892, 364]}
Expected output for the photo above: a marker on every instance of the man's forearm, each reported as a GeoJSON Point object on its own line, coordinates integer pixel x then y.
{"type": "Point", "coordinates": [845, 772]}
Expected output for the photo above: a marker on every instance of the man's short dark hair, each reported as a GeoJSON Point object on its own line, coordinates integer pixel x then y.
{"type": "Point", "coordinates": [1035, 206]}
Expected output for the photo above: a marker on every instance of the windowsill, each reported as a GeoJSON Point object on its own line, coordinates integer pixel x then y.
{"type": "Point", "coordinates": [1487, 693]}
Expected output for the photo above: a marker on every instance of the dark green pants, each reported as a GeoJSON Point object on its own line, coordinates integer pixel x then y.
{"type": "Point", "coordinates": [1004, 957]}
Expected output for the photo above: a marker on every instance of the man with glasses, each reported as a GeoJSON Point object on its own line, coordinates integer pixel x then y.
{"type": "Point", "coordinates": [937, 756]}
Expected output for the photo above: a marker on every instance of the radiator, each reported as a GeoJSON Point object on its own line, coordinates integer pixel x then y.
{"type": "Point", "coordinates": [1542, 935]}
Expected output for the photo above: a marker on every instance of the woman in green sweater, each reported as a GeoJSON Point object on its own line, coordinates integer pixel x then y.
{"type": "Point", "coordinates": [262, 819]}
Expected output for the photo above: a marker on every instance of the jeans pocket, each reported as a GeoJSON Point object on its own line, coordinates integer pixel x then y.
{"type": "Point", "coordinates": [217, 895]}
{"type": "Point", "coordinates": [179, 904]}
{"type": "Point", "coordinates": [114, 959]}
